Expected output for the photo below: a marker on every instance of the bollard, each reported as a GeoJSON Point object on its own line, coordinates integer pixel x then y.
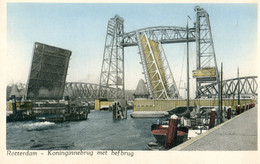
{"type": "Point", "coordinates": [171, 136]}
{"type": "Point", "coordinates": [238, 110]}
{"type": "Point", "coordinates": [229, 113]}
{"type": "Point", "coordinates": [243, 109]}
{"type": "Point", "coordinates": [212, 118]}
{"type": "Point", "coordinates": [114, 110]}
{"type": "Point", "coordinates": [247, 107]}
{"type": "Point", "coordinates": [125, 112]}
{"type": "Point", "coordinates": [251, 105]}
{"type": "Point", "coordinates": [14, 104]}
{"type": "Point", "coordinates": [117, 111]}
{"type": "Point", "coordinates": [67, 104]}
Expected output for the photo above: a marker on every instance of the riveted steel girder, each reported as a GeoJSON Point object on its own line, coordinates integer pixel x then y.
{"type": "Point", "coordinates": [247, 88]}
{"type": "Point", "coordinates": [48, 72]}
{"type": "Point", "coordinates": [87, 91]}
{"type": "Point", "coordinates": [163, 34]}
{"type": "Point", "coordinates": [159, 78]}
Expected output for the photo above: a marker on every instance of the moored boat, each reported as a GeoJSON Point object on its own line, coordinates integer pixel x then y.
{"type": "Point", "coordinates": [160, 133]}
{"type": "Point", "coordinates": [20, 115]}
{"type": "Point", "coordinates": [64, 117]}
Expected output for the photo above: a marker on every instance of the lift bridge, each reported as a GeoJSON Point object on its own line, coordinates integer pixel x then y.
{"type": "Point", "coordinates": [158, 76]}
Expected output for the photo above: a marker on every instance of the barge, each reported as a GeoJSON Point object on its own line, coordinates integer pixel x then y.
{"type": "Point", "coordinates": [20, 115]}
{"type": "Point", "coordinates": [63, 117]}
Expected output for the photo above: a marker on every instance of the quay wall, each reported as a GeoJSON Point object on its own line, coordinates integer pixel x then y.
{"type": "Point", "coordinates": [165, 105]}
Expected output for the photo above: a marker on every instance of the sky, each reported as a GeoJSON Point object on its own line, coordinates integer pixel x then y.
{"type": "Point", "coordinates": [81, 28]}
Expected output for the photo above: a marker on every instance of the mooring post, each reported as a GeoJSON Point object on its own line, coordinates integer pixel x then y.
{"type": "Point", "coordinates": [120, 111]}
{"type": "Point", "coordinates": [14, 104]}
{"type": "Point", "coordinates": [229, 113]}
{"type": "Point", "coordinates": [67, 104]}
{"type": "Point", "coordinates": [171, 137]}
{"type": "Point", "coordinates": [125, 112]}
{"type": "Point", "coordinates": [114, 110]}
{"type": "Point", "coordinates": [238, 110]}
{"type": "Point", "coordinates": [212, 118]}
{"type": "Point", "coordinates": [243, 109]}
{"type": "Point", "coordinates": [223, 113]}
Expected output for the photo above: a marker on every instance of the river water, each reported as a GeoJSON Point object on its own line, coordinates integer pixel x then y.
{"type": "Point", "coordinates": [99, 132]}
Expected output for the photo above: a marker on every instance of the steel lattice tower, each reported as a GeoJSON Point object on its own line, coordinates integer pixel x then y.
{"type": "Point", "coordinates": [112, 71]}
{"type": "Point", "coordinates": [206, 58]}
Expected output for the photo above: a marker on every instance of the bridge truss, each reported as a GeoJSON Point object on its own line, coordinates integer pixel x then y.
{"type": "Point", "coordinates": [158, 76]}
{"type": "Point", "coordinates": [245, 87]}
{"type": "Point", "coordinates": [87, 91]}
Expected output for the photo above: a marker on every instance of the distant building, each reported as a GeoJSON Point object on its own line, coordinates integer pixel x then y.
{"type": "Point", "coordinates": [141, 91]}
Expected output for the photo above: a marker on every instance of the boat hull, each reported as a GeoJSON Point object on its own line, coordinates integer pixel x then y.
{"type": "Point", "coordinates": [160, 134]}
{"type": "Point", "coordinates": [65, 118]}
{"type": "Point", "coordinates": [23, 117]}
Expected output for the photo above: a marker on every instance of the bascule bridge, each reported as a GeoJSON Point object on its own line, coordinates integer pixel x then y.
{"type": "Point", "coordinates": [158, 76]}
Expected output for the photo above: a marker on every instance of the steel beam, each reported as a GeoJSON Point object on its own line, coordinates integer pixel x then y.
{"type": "Point", "coordinates": [87, 91]}
{"type": "Point", "coordinates": [163, 34]}
{"type": "Point", "coordinates": [248, 88]}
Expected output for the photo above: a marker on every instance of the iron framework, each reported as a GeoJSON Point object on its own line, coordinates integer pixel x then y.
{"type": "Point", "coordinates": [48, 72]}
{"type": "Point", "coordinates": [87, 91]}
{"type": "Point", "coordinates": [117, 40]}
{"type": "Point", "coordinates": [162, 34]}
{"type": "Point", "coordinates": [112, 71]}
{"type": "Point", "coordinates": [205, 51]}
{"type": "Point", "coordinates": [243, 86]}
{"type": "Point", "coordinates": [158, 75]}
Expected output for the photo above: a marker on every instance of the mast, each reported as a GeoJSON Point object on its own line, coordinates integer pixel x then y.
{"type": "Point", "coordinates": [188, 80]}
{"type": "Point", "coordinates": [221, 90]}
{"type": "Point", "coordinates": [238, 86]}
